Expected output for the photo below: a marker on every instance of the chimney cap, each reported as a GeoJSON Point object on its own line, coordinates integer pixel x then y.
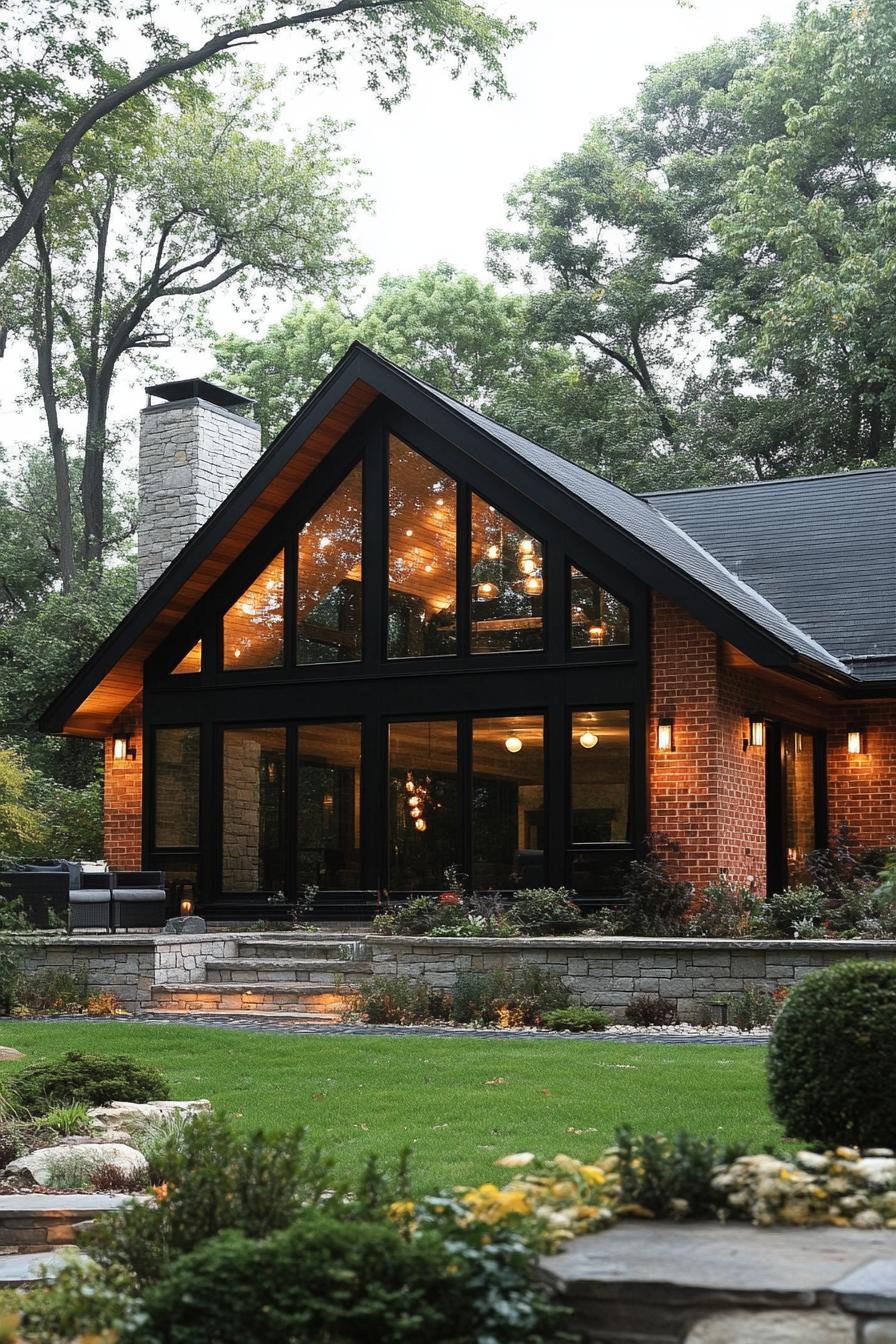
{"type": "Point", "coordinates": [185, 388]}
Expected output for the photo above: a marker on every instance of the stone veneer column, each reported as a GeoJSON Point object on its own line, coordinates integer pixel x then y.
{"type": "Point", "coordinates": [192, 454]}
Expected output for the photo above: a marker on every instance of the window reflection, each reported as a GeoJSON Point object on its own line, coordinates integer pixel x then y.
{"type": "Point", "coordinates": [422, 556]}
{"type": "Point", "coordinates": [329, 588]}
{"type": "Point", "coordinates": [328, 815]}
{"type": "Point", "coordinates": [253, 854]}
{"type": "Point", "coordinates": [253, 627]}
{"type": "Point", "coordinates": [423, 838]}
{"type": "Point", "coordinates": [799, 798]}
{"type": "Point", "coordinates": [508, 801]}
{"type": "Point", "coordinates": [177, 788]}
{"type": "Point", "coordinates": [508, 583]}
{"type": "Point", "coordinates": [597, 618]}
{"type": "Point", "coordinates": [600, 768]}
{"type": "Point", "coordinates": [191, 661]}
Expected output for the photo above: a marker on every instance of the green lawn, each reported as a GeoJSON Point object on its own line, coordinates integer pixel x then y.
{"type": "Point", "coordinates": [458, 1103]}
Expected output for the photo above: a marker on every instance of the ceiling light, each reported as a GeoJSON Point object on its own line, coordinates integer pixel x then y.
{"type": "Point", "coordinates": [513, 744]}
{"type": "Point", "coordinates": [588, 740]}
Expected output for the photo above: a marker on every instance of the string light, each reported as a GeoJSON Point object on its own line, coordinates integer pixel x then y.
{"type": "Point", "coordinates": [493, 552]}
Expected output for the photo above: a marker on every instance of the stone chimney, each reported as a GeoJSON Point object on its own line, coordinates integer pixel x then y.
{"type": "Point", "coordinates": [195, 446]}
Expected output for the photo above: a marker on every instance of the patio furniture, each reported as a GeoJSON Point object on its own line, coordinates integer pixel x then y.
{"type": "Point", "coordinates": [39, 892]}
{"type": "Point", "coordinates": [139, 900]}
{"type": "Point", "coordinates": [90, 906]}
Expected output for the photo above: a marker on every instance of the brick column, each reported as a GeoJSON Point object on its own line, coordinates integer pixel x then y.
{"type": "Point", "coordinates": [123, 795]}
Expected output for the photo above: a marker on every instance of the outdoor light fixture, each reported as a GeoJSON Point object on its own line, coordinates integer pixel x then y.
{"type": "Point", "coordinates": [757, 731]}
{"type": "Point", "coordinates": [855, 742]}
{"type": "Point", "coordinates": [186, 905]}
{"type": "Point", "coordinates": [122, 750]}
{"type": "Point", "coordinates": [588, 740]}
{"type": "Point", "coordinates": [513, 744]}
{"type": "Point", "coordinates": [664, 735]}
{"type": "Point", "coordinates": [534, 585]}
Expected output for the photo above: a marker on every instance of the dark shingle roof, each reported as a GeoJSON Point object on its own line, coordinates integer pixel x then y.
{"type": "Point", "coordinates": [822, 549]}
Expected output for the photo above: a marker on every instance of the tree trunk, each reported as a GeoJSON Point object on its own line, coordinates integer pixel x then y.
{"type": "Point", "coordinates": [44, 330]}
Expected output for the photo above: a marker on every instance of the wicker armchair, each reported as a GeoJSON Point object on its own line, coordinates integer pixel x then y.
{"type": "Point", "coordinates": [139, 900]}
{"type": "Point", "coordinates": [90, 907]}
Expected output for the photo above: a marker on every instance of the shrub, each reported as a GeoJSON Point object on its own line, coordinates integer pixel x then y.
{"type": "Point", "coordinates": [420, 916]}
{"type": "Point", "coordinates": [753, 1007]}
{"type": "Point", "coordinates": [103, 1004]}
{"type": "Point", "coordinates": [52, 991]}
{"type": "Point", "coordinates": [671, 1178]}
{"type": "Point", "coordinates": [360, 1281]}
{"type": "Point", "coordinates": [399, 999]}
{"type": "Point", "coordinates": [783, 911]}
{"type": "Point", "coordinates": [68, 1120]}
{"type": "Point", "coordinates": [657, 905]}
{"type": "Point", "coordinates": [832, 1057]}
{"type": "Point", "coordinates": [546, 910]}
{"type": "Point", "coordinates": [724, 909]}
{"type": "Point", "coordinates": [651, 1010]}
{"type": "Point", "coordinates": [13, 918]}
{"type": "Point", "coordinates": [576, 1019]}
{"type": "Point", "coordinates": [508, 998]}
{"type": "Point", "coordinates": [10, 973]}
{"type": "Point", "coordinates": [93, 1079]}
{"type": "Point", "coordinates": [606, 922]}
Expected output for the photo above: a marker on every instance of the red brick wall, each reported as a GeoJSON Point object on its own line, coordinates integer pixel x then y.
{"type": "Point", "coordinates": [862, 789]}
{"type": "Point", "coordinates": [708, 795]}
{"type": "Point", "coordinates": [123, 796]}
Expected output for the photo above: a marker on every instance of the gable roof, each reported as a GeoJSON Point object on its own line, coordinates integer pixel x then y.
{"type": "Point", "coordinates": [647, 540]}
{"type": "Point", "coordinates": [822, 549]}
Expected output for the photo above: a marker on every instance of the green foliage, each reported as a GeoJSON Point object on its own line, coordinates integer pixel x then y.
{"type": "Point", "coordinates": [576, 1019]}
{"type": "Point", "coordinates": [794, 906]}
{"type": "Point", "coordinates": [10, 974]}
{"type": "Point", "coordinates": [753, 1007]}
{"type": "Point", "coordinates": [672, 1178]}
{"type": "Point", "coordinates": [67, 1120]}
{"type": "Point", "coordinates": [19, 823]}
{"type": "Point", "coordinates": [83, 1298]}
{"type": "Point", "coordinates": [421, 915]}
{"type": "Point", "coordinates": [724, 909]}
{"type": "Point", "coordinates": [94, 1080]}
{"type": "Point", "coordinates": [657, 905]}
{"type": "Point", "coordinates": [52, 991]}
{"type": "Point", "coordinates": [217, 1179]}
{"type": "Point", "coordinates": [651, 1010]}
{"type": "Point", "coordinates": [832, 1056]}
{"type": "Point", "coordinates": [546, 910]}
{"type": "Point", "coordinates": [399, 999]}
{"type": "Point", "coordinates": [508, 998]}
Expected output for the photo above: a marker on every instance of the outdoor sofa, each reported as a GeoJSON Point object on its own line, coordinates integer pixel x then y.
{"type": "Point", "coordinates": [87, 900]}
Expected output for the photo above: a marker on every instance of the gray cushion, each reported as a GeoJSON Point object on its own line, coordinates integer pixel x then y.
{"type": "Point", "coordinates": [90, 898]}
{"type": "Point", "coordinates": [139, 894]}
{"type": "Point", "coordinates": [74, 874]}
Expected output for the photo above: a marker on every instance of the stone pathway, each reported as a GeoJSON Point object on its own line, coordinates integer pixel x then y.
{"type": "Point", "coordinates": [285, 1026]}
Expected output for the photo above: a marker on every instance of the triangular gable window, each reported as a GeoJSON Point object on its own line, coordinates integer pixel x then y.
{"type": "Point", "coordinates": [507, 569]}
{"type": "Point", "coordinates": [252, 629]}
{"type": "Point", "coordinates": [597, 619]}
{"type": "Point", "coordinates": [329, 585]}
{"type": "Point", "coordinates": [422, 616]}
{"type": "Point", "coordinates": [191, 662]}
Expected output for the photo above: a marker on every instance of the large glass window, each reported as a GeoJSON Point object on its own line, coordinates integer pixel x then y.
{"type": "Point", "coordinates": [596, 617]}
{"type": "Point", "coordinates": [253, 851]}
{"type": "Point", "coordinates": [422, 556]}
{"type": "Point", "coordinates": [508, 583]}
{"type": "Point", "coordinates": [177, 788]}
{"type": "Point", "coordinates": [798, 753]}
{"type": "Point", "coordinates": [252, 630]}
{"type": "Point", "coordinates": [423, 804]}
{"type": "Point", "coordinates": [191, 661]}
{"type": "Point", "coordinates": [329, 587]}
{"type": "Point", "coordinates": [328, 814]}
{"type": "Point", "coordinates": [508, 801]}
{"type": "Point", "coordinates": [600, 769]}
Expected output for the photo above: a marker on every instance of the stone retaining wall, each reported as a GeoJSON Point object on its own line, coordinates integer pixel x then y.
{"type": "Point", "coordinates": [126, 964]}
{"type": "Point", "coordinates": [608, 972]}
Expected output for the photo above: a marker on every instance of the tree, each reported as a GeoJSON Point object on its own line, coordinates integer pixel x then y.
{"type": "Point", "coordinates": [164, 210]}
{"type": "Point", "coordinates": [59, 68]}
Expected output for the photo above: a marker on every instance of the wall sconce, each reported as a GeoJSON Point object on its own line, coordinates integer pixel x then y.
{"type": "Point", "coordinates": [756, 735]}
{"type": "Point", "coordinates": [664, 737]}
{"type": "Point", "coordinates": [855, 742]}
{"type": "Point", "coordinates": [123, 750]}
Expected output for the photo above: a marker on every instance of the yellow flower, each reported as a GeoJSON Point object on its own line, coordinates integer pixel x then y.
{"type": "Point", "coordinates": [593, 1175]}
{"type": "Point", "coordinates": [402, 1208]}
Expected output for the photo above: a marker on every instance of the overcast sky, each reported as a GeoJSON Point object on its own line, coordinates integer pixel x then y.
{"type": "Point", "coordinates": [440, 165]}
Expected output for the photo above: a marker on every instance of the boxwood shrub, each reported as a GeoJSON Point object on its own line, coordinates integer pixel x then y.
{"type": "Point", "coordinates": [832, 1057]}
{"type": "Point", "coordinates": [94, 1080]}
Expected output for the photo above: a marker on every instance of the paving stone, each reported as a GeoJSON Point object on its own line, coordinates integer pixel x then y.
{"type": "Point", "coordinates": [882, 1331]}
{"type": "Point", "coordinates": [871, 1288]}
{"type": "Point", "coordinates": [774, 1327]}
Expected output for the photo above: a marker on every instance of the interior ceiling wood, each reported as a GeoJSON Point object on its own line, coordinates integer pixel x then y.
{"type": "Point", "coordinates": [96, 714]}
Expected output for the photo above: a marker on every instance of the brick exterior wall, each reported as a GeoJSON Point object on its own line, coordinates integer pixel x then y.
{"type": "Point", "coordinates": [708, 795]}
{"type": "Point", "coordinates": [862, 789]}
{"type": "Point", "coordinates": [123, 795]}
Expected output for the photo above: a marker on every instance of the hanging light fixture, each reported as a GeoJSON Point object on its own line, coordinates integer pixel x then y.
{"type": "Point", "coordinates": [486, 590]}
{"type": "Point", "coordinates": [527, 546]}
{"type": "Point", "coordinates": [494, 552]}
{"type": "Point", "coordinates": [595, 634]}
{"type": "Point", "coordinates": [588, 739]}
{"type": "Point", "coordinates": [513, 744]}
{"type": "Point", "coordinates": [534, 585]}
{"type": "Point", "coordinates": [420, 824]}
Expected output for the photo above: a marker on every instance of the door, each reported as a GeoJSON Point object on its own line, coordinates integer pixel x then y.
{"type": "Point", "coordinates": [796, 804]}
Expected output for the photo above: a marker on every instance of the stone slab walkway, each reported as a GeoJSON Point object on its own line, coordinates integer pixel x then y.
{"type": "Point", "coordinates": [285, 1026]}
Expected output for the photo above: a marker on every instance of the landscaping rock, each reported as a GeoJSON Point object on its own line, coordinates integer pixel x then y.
{"type": "Point", "coordinates": [774, 1327]}
{"type": "Point", "coordinates": [7, 1052]}
{"type": "Point", "coordinates": [47, 1166]}
{"type": "Point", "coordinates": [185, 924]}
{"type": "Point", "coordinates": [123, 1117]}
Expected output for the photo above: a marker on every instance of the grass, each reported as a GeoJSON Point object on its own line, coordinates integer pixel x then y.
{"type": "Point", "coordinates": [457, 1103]}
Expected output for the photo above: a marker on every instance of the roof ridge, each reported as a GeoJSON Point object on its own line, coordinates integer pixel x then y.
{"type": "Point", "coordinates": [777, 480]}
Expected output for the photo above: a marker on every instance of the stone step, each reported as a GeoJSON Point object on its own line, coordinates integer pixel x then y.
{"type": "Point", "coordinates": [277, 1015]}
{"type": "Point", "coordinates": [31, 1223]}
{"type": "Point", "coordinates": [246, 969]}
{"type": "Point", "coordinates": [25, 1270]}
{"type": "Point", "coordinates": [284, 945]}
{"type": "Point", "coordinates": [259, 996]}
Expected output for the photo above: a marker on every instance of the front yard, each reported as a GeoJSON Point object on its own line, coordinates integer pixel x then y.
{"type": "Point", "coordinates": [457, 1103]}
